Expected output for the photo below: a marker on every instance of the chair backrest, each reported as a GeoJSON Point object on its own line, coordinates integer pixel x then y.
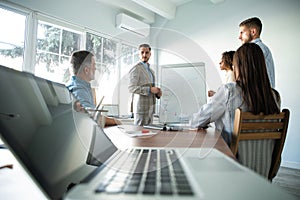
{"type": "Point", "coordinates": [248, 126]}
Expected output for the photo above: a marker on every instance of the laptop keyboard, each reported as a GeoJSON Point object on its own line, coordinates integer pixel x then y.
{"type": "Point", "coordinates": [148, 172]}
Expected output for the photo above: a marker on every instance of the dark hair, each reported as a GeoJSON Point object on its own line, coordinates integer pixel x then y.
{"type": "Point", "coordinates": [227, 58]}
{"type": "Point", "coordinates": [249, 64]}
{"type": "Point", "coordinates": [79, 59]}
{"type": "Point", "coordinates": [253, 22]}
{"type": "Point", "coordinates": [146, 46]}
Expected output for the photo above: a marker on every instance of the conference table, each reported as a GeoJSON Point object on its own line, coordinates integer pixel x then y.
{"type": "Point", "coordinates": [243, 183]}
{"type": "Point", "coordinates": [203, 138]}
{"type": "Point", "coordinates": [18, 183]}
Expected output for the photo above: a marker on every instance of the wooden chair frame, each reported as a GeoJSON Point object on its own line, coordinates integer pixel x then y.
{"type": "Point", "coordinates": [248, 126]}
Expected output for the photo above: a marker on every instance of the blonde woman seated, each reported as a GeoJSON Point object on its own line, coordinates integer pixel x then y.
{"type": "Point", "coordinates": [225, 64]}
{"type": "Point", "coordinates": [251, 92]}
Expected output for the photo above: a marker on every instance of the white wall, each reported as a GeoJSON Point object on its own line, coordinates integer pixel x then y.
{"type": "Point", "coordinates": [201, 31]}
{"type": "Point", "coordinates": [215, 29]}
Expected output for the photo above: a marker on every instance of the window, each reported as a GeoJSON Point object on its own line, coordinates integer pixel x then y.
{"type": "Point", "coordinates": [54, 48]}
{"type": "Point", "coordinates": [12, 39]}
{"type": "Point", "coordinates": [128, 58]}
{"type": "Point", "coordinates": [53, 42]}
{"type": "Point", "coordinates": [113, 62]}
{"type": "Point", "coordinates": [107, 74]}
{"type": "Point", "coordinates": [110, 72]}
{"type": "Point", "coordinates": [94, 44]}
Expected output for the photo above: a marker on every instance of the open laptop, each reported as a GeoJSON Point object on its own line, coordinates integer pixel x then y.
{"type": "Point", "coordinates": [112, 110]}
{"type": "Point", "coordinates": [70, 157]}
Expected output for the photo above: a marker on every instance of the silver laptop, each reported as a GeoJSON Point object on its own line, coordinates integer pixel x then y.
{"type": "Point", "coordinates": [70, 157]}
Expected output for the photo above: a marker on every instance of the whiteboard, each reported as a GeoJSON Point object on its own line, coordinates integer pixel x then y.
{"type": "Point", "coordinates": [184, 91]}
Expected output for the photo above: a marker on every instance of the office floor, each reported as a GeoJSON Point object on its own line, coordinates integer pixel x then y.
{"type": "Point", "coordinates": [288, 179]}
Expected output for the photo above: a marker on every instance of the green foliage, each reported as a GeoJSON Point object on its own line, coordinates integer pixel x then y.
{"type": "Point", "coordinates": [13, 53]}
{"type": "Point", "coordinates": [70, 42]}
{"type": "Point", "coordinates": [94, 45]}
{"type": "Point", "coordinates": [55, 46]}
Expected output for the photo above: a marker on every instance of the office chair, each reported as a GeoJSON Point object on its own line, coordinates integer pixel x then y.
{"type": "Point", "coordinates": [260, 128]}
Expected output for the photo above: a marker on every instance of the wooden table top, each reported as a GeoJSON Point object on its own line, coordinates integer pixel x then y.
{"type": "Point", "coordinates": [205, 138]}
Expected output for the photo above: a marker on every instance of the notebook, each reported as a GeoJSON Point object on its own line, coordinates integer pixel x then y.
{"type": "Point", "coordinates": [70, 157]}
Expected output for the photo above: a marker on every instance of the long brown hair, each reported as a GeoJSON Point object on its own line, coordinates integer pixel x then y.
{"type": "Point", "coordinates": [251, 75]}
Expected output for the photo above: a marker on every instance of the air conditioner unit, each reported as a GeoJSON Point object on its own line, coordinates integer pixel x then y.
{"type": "Point", "coordinates": [133, 25]}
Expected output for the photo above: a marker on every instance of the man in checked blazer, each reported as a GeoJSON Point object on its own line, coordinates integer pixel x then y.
{"type": "Point", "coordinates": [142, 86]}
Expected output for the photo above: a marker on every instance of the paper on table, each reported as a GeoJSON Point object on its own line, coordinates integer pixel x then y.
{"type": "Point", "coordinates": [135, 131]}
{"type": "Point", "coordinates": [139, 133]}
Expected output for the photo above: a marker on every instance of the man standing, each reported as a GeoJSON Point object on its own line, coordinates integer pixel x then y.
{"type": "Point", "coordinates": [250, 30]}
{"type": "Point", "coordinates": [142, 86]}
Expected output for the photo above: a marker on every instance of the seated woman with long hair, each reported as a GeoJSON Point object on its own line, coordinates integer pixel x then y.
{"type": "Point", "coordinates": [251, 92]}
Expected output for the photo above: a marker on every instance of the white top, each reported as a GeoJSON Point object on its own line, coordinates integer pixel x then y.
{"type": "Point", "coordinates": [229, 77]}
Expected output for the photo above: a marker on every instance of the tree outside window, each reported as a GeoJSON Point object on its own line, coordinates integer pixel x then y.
{"type": "Point", "coordinates": [105, 51]}
{"type": "Point", "coordinates": [54, 48]}
{"type": "Point", "coordinates": [12, 39]}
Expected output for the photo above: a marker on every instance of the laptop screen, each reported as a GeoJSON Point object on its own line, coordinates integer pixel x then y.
{"type": "Point", "coordinates": [113, 110]}
{"type": "Point", "coordinates": [51, 140]}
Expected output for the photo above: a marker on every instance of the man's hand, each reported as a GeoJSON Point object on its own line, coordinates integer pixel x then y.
{"type": "Point", "coordinates": [159, 94]}
{"type": "Point", "coordinates": [157, 91]}
{"type": "Point", "coordinates": [154, 90]}
{"type": "Point", "coordinates": [211, 93]}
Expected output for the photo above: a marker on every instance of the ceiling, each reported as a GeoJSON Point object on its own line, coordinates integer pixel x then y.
{"type": "Point", "coordinates": [145, 10]}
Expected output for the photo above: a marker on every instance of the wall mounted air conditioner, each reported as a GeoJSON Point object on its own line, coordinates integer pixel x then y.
{"type": "Point", "coordinates": [133, 25]}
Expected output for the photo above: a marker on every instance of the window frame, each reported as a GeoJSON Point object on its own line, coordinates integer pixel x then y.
{"type": "Point", "coordinates": [41, 19]}
{"type": "Point", "coordinates": [30, 41]}
{"type": "Point", "coordinates": [26, 13]}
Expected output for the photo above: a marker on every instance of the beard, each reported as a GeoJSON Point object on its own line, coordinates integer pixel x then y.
{"type": "Point", "coordinates": [249, 39]}
{"type": "Point", "coordinates": [145, 59]}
